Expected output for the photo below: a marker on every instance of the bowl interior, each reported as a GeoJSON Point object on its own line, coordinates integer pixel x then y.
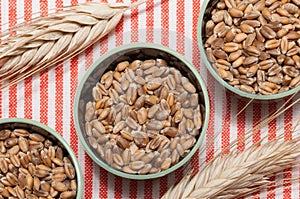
{"type": "Point", "coordinates": [130, 53]}
{"type": "Point", "coordinates": [205, 15]}
{"type": "Point", "coordinates": [33, 126]}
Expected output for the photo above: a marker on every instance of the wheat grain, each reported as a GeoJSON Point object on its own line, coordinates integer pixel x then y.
{"type": "Point", "coordinates": [46, 41]}
{"type": "Point", "coordinates": [238, 174]}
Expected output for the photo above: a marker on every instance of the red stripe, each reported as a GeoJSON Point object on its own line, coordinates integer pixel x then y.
{"type": "Point", "coordinates": [59, 99]}
{"type": "Point", "coordinates": [88, 177]}
{"type": "Point", "coordinates": [74, 2]}
{"type": "Point", "coordinates": [196, 63]}
{"type": "Point", "coordinates": [59, 82]}
{"type": "Point", "coordinates": [180, 48]}
{"type": "Point", "coordinates": [163, 182]}
{"type": "Point", "coordinates": [180, 26]}
{"type": "Point", "coordinates": [165, 23]}
{"type": "Point", "coordinates": [28, 81]}
{"type": "Point", "coordinates": [150, 21]}
{"type": "Point", "coordinates": [134, 23]}
{"type": "Point", "coordinates": [226, 124]}
{"type": "Point", "coordinates": [134, 38]}
{"type": "Point", "coordinates": [12, 89]}
{"type": "Point", "coordinates": [103, 192]}
{"type": "Point", "coordinates": [58, 5]}
{"type": "Point", "coordinates": [195, 161]}
{"type": "Point", "coordinates": [288, 135]}
{"type": "Point", "coordinates": [271, 136]}
{"type": "Point", "coordinates": [256, 119]}
{"type": "Point", "coordinates": [44, 7]}
{"type": "Point", "coordinates": [133, 189]}
{"type": "Point", "coordinates": [119, 30]}
{"type": "Point", "coordinates": [88, 169]}
{"type": "Point", "coordinates": [118, 187]}
{"type": "Point", "coordinates": [287, 186]}
{"type": "Point", "coordinates": [211, 125]}
{"type": "Point", "coordinates": [44, 78]}
{"type": "Point", "coordinates": [163, 185]}
{"type": "Point", "coordinates": [257, 134]}
{"type": "Point", "coordinates": [196, 11]}
{"type": "Point", "coordinates": [73, 86]}
{"type": "Point", "coordinates": [272, 124]}
{"type": "Point", "coordinates": [103, 189]}
{"type": "Point", "coordinates": [196, 51]}
{"type": "Point", "coordinates": [288, 118]}
{"type": "Point", "coordinates": [241, 124]}
{"type": "Point", "coordinates": [148, 189]}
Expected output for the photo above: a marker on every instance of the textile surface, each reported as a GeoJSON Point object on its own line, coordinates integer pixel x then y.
{"type": "Point", "coordinates": [48, 97]}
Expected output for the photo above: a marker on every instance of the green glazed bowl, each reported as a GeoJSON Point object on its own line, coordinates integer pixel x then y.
{"type": "Point", "coordinates": [50, 134]}
{"type": "Point", "coordinates": [107, 62]}
{"type": "Point", "coordinates": [205, 15]}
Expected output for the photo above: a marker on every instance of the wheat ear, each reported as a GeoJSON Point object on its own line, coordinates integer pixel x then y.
{"type": "Point", "coordinates": [238, 174]}
{"type": "Point", "coordinates": [46, 41]}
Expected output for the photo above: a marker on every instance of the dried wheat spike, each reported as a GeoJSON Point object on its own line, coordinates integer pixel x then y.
{"type": "Point", "coordinates": [238, 174]}
{"type": "Point", "coordinates": [46, 41]}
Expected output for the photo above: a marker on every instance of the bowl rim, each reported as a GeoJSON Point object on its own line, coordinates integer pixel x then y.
{"type": "Point", "coordinates": [223, 82]}
{"type": "Point", "coordinates": [79, 177]}
{"type": "Point", "coordinates": [138, 45]}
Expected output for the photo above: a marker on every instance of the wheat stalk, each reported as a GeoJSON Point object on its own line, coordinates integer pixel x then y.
{"type": "Point", "coordinates": [45, 41]}
{"type": "Point", "coordinates": [238, 174]}
{"type": "Point", "coordinates": [241, 173]}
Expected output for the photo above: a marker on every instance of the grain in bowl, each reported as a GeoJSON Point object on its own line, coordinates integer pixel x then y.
{"type": "Point", "coordinates": [144, 114]}
{"type": "Point", "coordinates": [35, 162]}
{"type": "Point", "coordinates": [252, 46]}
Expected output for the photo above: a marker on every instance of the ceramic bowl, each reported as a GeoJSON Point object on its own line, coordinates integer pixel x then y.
{"type": "Point", "coordinates": [36, 127]}
{"type": "Point", "coordinates": [205, 15]}
{"type": "Point", "coordinates": [108, 61]}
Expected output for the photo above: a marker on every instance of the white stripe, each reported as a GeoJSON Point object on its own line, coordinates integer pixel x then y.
{"type": "Point", "coordinates": [110, 185]}
{"type": "Point", "coordinates": [140, 189]}
{"type": "Point", "coordinates": [96, 181]}
{"type": "Point", "coordinates": [233, 129]}
{"type": "Point", "coordinates": [203, 72]}
{"type": "Point", "coordinates": [188, 29]}
{"type": "Point", "coordinates": [36, 78]}
{"type": "Point", "coordinates": [4, 15]}
{"type": "Point", "coordinates": [36, 97]}
{"type": "Point", "coordinates": [20, 11]}
{"type": "Point", "coordinates": [279, 189]}
{"type": "Point", "coordinates": [172, 24]}
{"type": "Point", "coordinates": [81, 151]}
{"type": "Point", "coordinates": [67, 2]}
{"type": "Point", "coordinates": [111, 41]}
{"type": "Point", "coordinates": [142, 26]}
{"type": "Point", "coordinates": [125, 188]}
{"type": "Point", "coordinates": [126, 26]}
{"type": "Point", "coordinates": [66, 101]}
{"type": "Point", "coordinates": [157, 21]}
{"type": "Point", "coordinates": [35, 8]}
{"type": "Point", "coordinates": [20, 99]}
{"type": "Point", "coordinates": [296, 175]}
{"type": "Point", "coordinates": [5, 26]}
{"type": "Point", "coordinates": [5, 103]}
{"type": "Point", "coordinates": [248, 125]}
{"type": "Point", "coordinates": [51, 98]}
{"type": "Point", "coordinates": [51, 5]}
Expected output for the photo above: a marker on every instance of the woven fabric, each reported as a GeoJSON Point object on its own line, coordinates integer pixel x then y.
{"type": "Point", "coordinates": [48, 97]}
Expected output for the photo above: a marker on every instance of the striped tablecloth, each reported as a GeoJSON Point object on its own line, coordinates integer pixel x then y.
{"type": "Point", "coordinates": [48, 97]}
